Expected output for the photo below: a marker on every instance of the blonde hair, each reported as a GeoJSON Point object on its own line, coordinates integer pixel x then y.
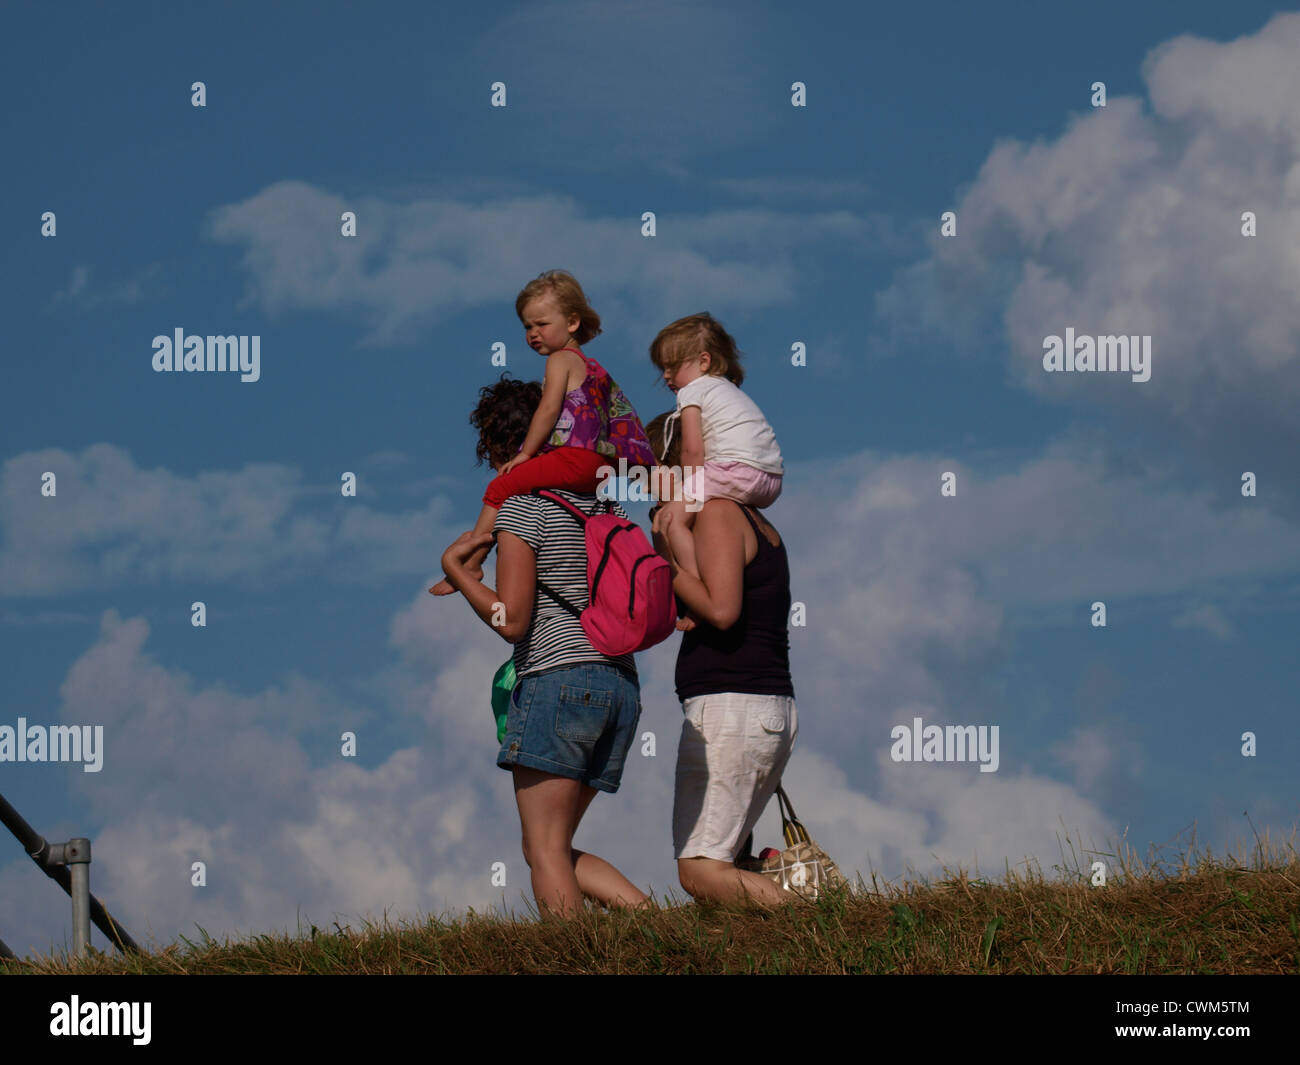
{"type": "Point", "coordinates": [564, 289]}
{"type": "Point", "coordinates": [687, 337]}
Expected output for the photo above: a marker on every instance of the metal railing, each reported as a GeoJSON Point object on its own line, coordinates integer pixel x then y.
{"type": "Point", "coordinates": [68, 865]}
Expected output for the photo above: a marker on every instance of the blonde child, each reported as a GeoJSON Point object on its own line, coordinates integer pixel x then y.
{"type": "Point", "coordinates": [584, 420]}
{"type": "Point", "coordinates": [726, 442]}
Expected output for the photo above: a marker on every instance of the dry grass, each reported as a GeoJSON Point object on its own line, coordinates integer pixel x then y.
{"type": "Point", "coordinates": [1197, 915]}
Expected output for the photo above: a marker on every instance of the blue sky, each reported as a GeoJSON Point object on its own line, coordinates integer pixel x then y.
{"type": "Point", "coordinates": [817, 225]}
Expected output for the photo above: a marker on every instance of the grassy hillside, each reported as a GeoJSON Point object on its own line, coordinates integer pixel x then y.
{"type": "Point", "coordinates": [1208, 917]}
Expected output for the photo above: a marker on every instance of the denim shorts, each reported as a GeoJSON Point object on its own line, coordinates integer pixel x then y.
{"type": "Point", "coordinates": [573, 721]}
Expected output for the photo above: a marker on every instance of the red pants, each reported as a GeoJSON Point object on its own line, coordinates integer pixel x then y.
{"type": "Point", "coordinates": [573, 468]}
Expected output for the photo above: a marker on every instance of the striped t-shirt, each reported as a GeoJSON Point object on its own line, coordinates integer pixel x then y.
{"type": "Point", "coordinates": [554, 636]}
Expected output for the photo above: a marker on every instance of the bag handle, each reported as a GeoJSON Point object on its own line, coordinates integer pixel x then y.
{"type": "Point", "coordinates": [791, 827]}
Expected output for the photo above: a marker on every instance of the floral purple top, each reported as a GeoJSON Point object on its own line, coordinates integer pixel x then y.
{"type": "Point", "coordinates": [597, 415]}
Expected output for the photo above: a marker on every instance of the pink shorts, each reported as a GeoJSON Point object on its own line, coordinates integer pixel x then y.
{"type": "Point", "coordinates": [732, 480]}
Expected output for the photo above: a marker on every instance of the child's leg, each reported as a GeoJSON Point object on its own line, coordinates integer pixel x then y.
{"type": "Point", "coordinates": [713, 480]}
{"type": "Point", "coordinates": [576, 468]}
{"type": "Point", "coordinates": [573, 468]}
{"type": "Point", "coordinates": [679, 491]}
{"type": "Point", "coordinates": [680, 537]}
{"type": "Point", "coordinates": [730, 480]}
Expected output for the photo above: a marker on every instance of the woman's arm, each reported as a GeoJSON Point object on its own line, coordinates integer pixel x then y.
{"type": "Point", "coordinates": [509, 608]}
{"type": "Point", "coordinates": [715, 596]}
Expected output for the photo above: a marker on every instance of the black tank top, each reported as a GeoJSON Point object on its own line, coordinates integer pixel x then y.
{"type": "Point", "coordinates": [754, 654]}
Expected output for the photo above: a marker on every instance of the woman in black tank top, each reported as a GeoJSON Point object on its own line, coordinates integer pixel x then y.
{"type": "Point", "coordinates": [753, 654]}
{"type": "Point", "coordinates": [733, 678]}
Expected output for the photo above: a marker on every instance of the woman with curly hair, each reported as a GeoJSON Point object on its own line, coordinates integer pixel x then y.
{"type": "Point", "coordinates": [573, 712]}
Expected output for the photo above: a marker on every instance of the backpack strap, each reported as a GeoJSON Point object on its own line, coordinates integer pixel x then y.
{"type": "Point", "coordinates": [551, 593]}
{"type": "Point", "coordinates": [581, 518]}
{"type": "Point", "coordinates": [578, 515]}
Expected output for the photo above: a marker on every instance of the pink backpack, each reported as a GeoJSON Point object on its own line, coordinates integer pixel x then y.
{"type": "Point", "coordinates": [630, 587]}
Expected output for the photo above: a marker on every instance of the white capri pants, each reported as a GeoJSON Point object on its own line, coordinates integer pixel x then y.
{"type": "Point", "coordinates": [733, 750]}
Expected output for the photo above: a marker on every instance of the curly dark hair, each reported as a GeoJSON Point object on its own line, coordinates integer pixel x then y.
{"type": "Point", "coordinates": [502, 417]}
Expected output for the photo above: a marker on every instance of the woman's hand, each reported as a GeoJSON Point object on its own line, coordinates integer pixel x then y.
{"type": "Point", "coordinates": [509, 610]}
{"type": "Point", "coordinates": [458, 553]}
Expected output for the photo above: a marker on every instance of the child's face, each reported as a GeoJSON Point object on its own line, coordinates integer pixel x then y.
{"type": "Point", "coordinates": [686, 371]}
{"type": "Point", "coordinates": [545, 328]}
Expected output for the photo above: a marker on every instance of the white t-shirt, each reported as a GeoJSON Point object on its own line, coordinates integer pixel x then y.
{"type": "Point", "coordinates": [734, 428]}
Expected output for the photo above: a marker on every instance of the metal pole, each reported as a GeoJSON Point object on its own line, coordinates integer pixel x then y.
{"type": "Point", "coordinates": [39, 851]}
{"type": "Point", "coordinates": [77, 854]}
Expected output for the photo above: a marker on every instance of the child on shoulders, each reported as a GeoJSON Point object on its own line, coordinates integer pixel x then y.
{"type": "Point", "coordinates": [728, 449]}
{"type": "Point", "coordinates": [584, 421]}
